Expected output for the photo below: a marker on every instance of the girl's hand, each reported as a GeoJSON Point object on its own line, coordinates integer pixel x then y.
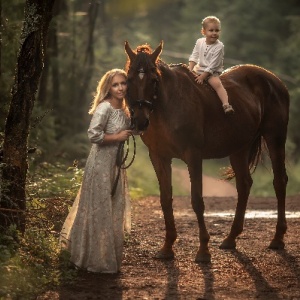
{"type": "Point", "coordinates": [124, 135]}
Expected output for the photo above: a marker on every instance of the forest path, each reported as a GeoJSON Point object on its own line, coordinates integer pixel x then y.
{"type": "Point", "coordinates": [212, 187]}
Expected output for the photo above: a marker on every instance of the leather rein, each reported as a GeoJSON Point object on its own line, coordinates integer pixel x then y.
{"type": "Point", "coordinates": [121, 159]}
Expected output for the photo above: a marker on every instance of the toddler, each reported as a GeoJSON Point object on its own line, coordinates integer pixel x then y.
{"type": "Point", "coordinates": [207, 57]}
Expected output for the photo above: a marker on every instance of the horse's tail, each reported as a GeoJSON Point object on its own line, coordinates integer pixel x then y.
{"type": "Point", "coordinates": [255, 155]}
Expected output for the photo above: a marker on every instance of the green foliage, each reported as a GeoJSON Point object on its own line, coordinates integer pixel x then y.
{"type": "Point", "coordinates": [53, 180]}
{"type": "Point", "coordinates": [30, 265]}
{"type": "Point", "coordinates": [261, 35]}
{"type": "Point", "coordinates": [11, 21]}
{"type": "Point", "coordinates": [31, 262]}
{"type": "Point", "coordinates": [251, 32]}
{"type": "Point", "coordinates": [294, 133]}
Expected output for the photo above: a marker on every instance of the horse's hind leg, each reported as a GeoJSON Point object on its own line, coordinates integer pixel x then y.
{"type": "Point", "coordinates": [239, 163]}
{"type": "Point", "coordinates": [276, 147]}
{"type": "Point", "coordinates": [162, 167]}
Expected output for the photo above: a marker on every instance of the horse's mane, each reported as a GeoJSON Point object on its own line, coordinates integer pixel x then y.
{"type": "Point", "coordinates": [143, 59]}
{"type": "Point", "coordinates": [144, 48]}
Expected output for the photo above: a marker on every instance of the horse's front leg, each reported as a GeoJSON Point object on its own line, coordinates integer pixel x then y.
{"type": "Point", "coordinates": [195, 170]}
{"type": "Point", "coordinates": [162, 167]}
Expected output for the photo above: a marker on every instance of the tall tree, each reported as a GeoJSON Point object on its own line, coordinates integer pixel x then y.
{"type": "Point", "coordinates": [37, 17]}
{"type": "Point", "coordinates": [0, 36]}
{"type": "Point", "coordinates": [90, 52]}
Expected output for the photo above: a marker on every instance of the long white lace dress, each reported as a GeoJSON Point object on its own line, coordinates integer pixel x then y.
{"type": "Point", "coordinates": [93, 232]}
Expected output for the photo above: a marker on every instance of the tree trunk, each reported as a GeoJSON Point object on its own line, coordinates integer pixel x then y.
{"type": "Point", "coordinates": [51, 66]}
{"type": "Point", "coordinates": [0, 37]}
{"type": "Point", "coordinates": [37, 17]}
{"type": "Point", "coordinates": [89, 59]}
{"type": "Point", "coordinates": [89, 54]}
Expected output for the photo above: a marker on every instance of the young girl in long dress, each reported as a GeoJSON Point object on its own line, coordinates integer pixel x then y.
{"type": "Point", "coordinates": [93, 232]}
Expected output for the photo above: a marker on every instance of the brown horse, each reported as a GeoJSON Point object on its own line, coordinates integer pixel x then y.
{"type": "Point", "coordinates": [182, 119]}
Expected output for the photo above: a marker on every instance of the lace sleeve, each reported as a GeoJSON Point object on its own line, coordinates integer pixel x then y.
{"type": "Point", "coordinates": [98, 123]}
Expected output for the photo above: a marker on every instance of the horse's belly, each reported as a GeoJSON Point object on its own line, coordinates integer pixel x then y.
{"type": "Point", "coordinates": [225, 145]}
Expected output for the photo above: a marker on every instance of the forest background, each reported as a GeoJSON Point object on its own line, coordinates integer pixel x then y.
{"type": "Point", "coordinates": [85, 39]}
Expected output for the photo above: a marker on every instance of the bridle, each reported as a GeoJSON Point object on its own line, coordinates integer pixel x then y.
{"type": "Point", "coordinates": [140, 103]}
{"type": "Point", "coordinates": [121, 159]}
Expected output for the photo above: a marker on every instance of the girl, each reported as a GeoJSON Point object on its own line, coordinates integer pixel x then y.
{"type": "Point", "coordinates": [93, 231]}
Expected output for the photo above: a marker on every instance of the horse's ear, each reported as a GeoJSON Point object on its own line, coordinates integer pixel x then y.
{"type": "Point", "coordinates": [129, 51]}
{"type": "Point", "coordinates": [155, 54]}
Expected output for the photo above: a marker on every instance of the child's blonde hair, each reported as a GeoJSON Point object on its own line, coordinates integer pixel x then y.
{"type": "Point", "coordinates": [104, 86]}
{"type": "Point", "coordinates": [209, 19]}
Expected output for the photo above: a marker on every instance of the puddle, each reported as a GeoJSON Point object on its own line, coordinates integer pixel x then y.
{"type": "Point", "coordinates": [250, 214]}
{"type": "Point", "coordinates": [253, 214]}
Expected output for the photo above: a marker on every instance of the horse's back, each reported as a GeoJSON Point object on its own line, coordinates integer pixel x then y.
{"type": "Point", "coordinates": [257, 80]}
{"type": "Point", "coordinates": [261, 103]}
{"type": "Point", "coordinates": [196, 117]}
{"type": "Point", "coordinates": [254, 86]}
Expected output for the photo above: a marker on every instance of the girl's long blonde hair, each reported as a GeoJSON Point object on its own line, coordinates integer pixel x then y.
{"type": "Point", "coordinates": [104, 85]}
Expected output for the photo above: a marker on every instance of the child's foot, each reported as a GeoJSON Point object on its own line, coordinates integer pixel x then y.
{"type": "Point", "coordinates": [228, 109]}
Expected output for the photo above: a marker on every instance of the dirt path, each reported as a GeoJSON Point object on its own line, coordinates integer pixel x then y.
{"type": "Point", "coordinates": [212, 187]}
{"type": "Point", "coordinates": [252, 271]}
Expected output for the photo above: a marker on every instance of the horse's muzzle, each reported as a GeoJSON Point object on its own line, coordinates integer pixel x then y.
{"type": "Point", "coordinates": [139, 125]}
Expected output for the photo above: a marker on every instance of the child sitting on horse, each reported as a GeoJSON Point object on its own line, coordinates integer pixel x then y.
{"type": "Point", "coordinates": [207, 57]}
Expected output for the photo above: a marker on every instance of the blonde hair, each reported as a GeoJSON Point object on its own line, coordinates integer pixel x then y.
{"type": "Point", "coordinates": [104, 85]}
{"type": "Point", "coordinates": [209, 19]}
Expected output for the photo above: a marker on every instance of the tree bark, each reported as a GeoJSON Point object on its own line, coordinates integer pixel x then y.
{"type": "Point", "coordinates": [89, 60]}
{"type": "Point", "coordinates": [51, 66]}
{"type": "Point", "coordinates": [37, 17]}
{"type": "Point", "coordinates": [0, 38]}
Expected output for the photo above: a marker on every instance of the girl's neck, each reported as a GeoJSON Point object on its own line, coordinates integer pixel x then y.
{"type": "Point", "coordinates": [116, 103]}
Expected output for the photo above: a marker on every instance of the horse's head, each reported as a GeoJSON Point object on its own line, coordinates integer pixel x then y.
{"type": "Point", "coordinates": [143, 81]}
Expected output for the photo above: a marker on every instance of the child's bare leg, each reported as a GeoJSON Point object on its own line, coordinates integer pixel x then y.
{"type": "Point", "coordinates": [217, 85]}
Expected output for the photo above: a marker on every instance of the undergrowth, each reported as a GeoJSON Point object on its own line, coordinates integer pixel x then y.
{"type": "Point", "coordinates": [33, 261]}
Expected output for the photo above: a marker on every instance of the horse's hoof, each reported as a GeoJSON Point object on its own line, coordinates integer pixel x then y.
{"type": "Point", "coordinates": [164, 255]}
{"type": "Point", "coordinates": [203, 258]}
{"type": "Point", "coordinates": [277, 244]}
{"type": "Point", "coordinates": [228, 244]}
